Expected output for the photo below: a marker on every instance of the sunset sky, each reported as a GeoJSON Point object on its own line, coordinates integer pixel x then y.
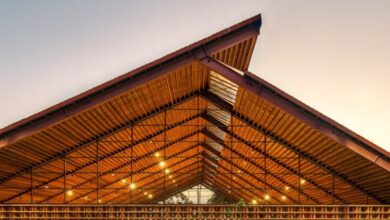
{"type": "Point", "coordinates": [332, 55]}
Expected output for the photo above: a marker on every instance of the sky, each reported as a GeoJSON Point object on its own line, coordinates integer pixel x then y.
{"type": "Point", "coordinates": [332, 55]}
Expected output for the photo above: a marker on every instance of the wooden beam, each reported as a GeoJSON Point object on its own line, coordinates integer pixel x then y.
{"type": "Point", "coordinates": [103, 93]}
{"type": "Point", "coordinates": [158, 182]}
{"type": "Point", "coordinates": [259, 87]}
{"type": "Point", "coordinates": [127, 163]}
{"type": "Point", "coordinates": [224, 129]}
{"type": "Point", "coordinates": [229, 108]}
{"type": "Point", "coordinates": [102, 135]}
{"type": "Point", "coordinates": [110, 154]}
{"type": "Point", "coordinates": [254, 177]}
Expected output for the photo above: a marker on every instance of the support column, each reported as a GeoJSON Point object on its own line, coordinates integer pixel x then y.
{"type": "Point", "coordinates": [197, 148]}
{"type": "Point", "coordinates": [165, 150]}
{"type": "Point", "coordinates": [64, 178]}
{"type": "Point", "coordinates": [265, 167]}
{"type": "Point", "coordinates": [131, 164]}
{"type": "Point", "coordinates": [333, 189]}
{"type": "Point", "coordinates": [299, 178]}
{"type": "Point", "coordinates": [97, 172]}
{"type": "Point", "coordinates": [31, 186]}
{"type": "Point", "coordinates": [231, 157]}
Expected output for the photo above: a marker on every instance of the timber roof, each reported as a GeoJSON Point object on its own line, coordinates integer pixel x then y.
{"type": "Point", "coordinates": [212, 122]}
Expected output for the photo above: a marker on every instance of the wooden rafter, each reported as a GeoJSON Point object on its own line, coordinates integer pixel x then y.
{"type": "Point", "coordinates": [229, 108]}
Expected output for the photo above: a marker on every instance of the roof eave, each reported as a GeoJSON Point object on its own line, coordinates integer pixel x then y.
{"type": "Point", "coordinates": [216, 42]}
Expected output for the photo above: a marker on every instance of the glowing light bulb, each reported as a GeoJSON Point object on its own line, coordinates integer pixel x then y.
{"type": "Point", "coordinates": [150, 196]}
{"type": "Point", "coordinates": [170, 176]}
{"type": "Point", "coordinates": [283, 198]}
{"type": "Point", "coordinates": [132, 186]}
{"type": "Point", "coordinates": [99, 200]}
{"type": "Point", "coordinates": [161, 164]}
{"type": "Point", "coordinates": [303, 181]}
{"type": "Point", "coordinates": [167, 171]}
{"type": "Point", "coordinates": [145, 193]}
{"type": "Point", "coordinates": [69, 192]}
{"type": "Point", "coordinates": [287, 188]}
{"type": "Point", "coordinates": [86, 197]}
{"type": "Point", "coordinates": [157, 154]}
{"type": "Point", "coordinates": [173, 181]}
{"type": "Point", "coordinates": [267, 197]}
{"type": "Point", "coordinates": [123, 180]}
{"type": "Point", "coordinates": [254, 202]}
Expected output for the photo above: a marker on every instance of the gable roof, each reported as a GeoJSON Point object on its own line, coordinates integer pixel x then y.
{"type": "Point", "coordinates": [247, 29]}
{"type": "Point", "coordinates": [215, 107]}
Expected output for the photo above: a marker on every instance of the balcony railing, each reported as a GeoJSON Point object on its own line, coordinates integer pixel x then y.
{"type": "Point", "coordinates": [193, 212]}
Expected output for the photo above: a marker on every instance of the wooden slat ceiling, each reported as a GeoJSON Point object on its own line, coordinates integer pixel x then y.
{"type": "Point", "coordinates": [204, 127]}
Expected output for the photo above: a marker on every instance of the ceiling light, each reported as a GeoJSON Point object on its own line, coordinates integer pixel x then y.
{"type": "Point", "coordinates": [99, 200]}
{"type": "Point", "coordinates": [170, 176]}
{"type": "Point", "coordinates": [46, 187]}
{"type": "Point", "coordinates": [150, 196]}
{"type": "Point", "coordinates": [161, 164]}
{"type": "Point", "coordinates": [254, 202]}
{"type": "Point", "coordinates": [86, 197]}
{"type": "Point", "coordinates": [69, 192]}
{"type": "Point", "coordinates": [173, 181]}
{"type": "Point", "coordinates": [123, 180]}
{"type": "Point", "coordinates": [283, 198]}
{"type": "Point", "coordinates": [132, 186]}
{"type": "Point", "coordinates": [167, 171]}
{"type": "Point", "coordinates": [287, 188]}
{"type": "Point", "coordinates": [267, 197]}
{"type": "Point", "coordinates": [157, 154]}
{"type": "Point", "coordinates": [303, 181]}
{"type": "Point", "coordinates": [145, 193]}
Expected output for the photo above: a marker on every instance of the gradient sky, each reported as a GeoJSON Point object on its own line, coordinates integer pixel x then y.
{"type": "Point", "coordinates": [332, 55]}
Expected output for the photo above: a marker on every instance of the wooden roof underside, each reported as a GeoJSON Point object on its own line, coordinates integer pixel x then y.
{"type": "Point", "coordinates": [214, 122]}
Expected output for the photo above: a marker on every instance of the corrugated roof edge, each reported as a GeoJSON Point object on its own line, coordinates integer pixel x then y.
{"type": "Point", "coordinates": [74, 100]}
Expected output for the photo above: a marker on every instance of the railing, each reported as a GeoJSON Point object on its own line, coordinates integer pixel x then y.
{"type": "Point", "coordinates": [193, 212]}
